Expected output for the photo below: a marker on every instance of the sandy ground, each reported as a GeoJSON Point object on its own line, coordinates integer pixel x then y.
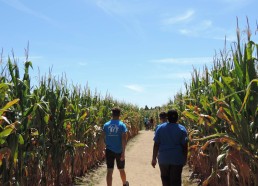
{"type": "Point", "coordinates": [137, 166]}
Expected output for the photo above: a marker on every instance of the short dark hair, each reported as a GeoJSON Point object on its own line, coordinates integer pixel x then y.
{"type": "Point", "coordinates": [116, 111]}
{"type": "Point", "coordinates": [172, 116]}
{"type": "Point", "coordinates": [163, 115]}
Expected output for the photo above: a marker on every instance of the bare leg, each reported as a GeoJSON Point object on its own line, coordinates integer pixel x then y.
{"type": "Point", "coordinates": [109, 177]}
{"type": "Point", "coordinates": [122, 175]}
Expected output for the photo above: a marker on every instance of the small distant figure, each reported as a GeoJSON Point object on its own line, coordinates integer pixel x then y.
{"type": "Point", "coordinates": [151, 123]}
{"type": "Point", "coordinates": [146, 122]}
{"type": "Point", "coordinates": [114, 132]}
{"type": "Point", "coordinates": [170, 146]}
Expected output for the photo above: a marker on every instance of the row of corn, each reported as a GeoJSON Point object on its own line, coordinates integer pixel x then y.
{"type": "Point", "coordinates": [50, 133]}
{"type": "Point", "coordinates": [220, 110]}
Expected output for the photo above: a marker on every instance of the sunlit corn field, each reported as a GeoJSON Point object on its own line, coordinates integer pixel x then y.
{"type": "Point", "coordinates": [220, 110]}
{"type": "Point", "coordinates": [50, 133]}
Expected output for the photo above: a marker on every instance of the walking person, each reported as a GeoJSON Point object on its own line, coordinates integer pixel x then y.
{"type": "Point", "coordinates": [151, 123]}
{"type": "Point", "coordinates": [146, 121]}
{"type": "Point", "coordinates": [115, 139]}
{"type": "Point", "coordinates": [162, 118]}
{"type": "Point", "coordinates": [170, 146]}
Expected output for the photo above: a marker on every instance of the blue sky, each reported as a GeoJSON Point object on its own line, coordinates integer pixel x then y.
{"type": "Point", "coordinates": [138, 51]}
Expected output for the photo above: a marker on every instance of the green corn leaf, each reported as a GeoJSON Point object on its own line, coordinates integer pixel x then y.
{"type": "Point", "coordinates": [248, 93]}
{"type": "Point", "coordinates": [46, 118]}
{"type": "Point", "coordinates": [20, 139]}
{"type": "Point", "coordinates": [210, 137]}
{"type": "Point", "coordinates": [249, 49]}
{"type": "Point", "coordinates": [238, 70]}
{"type": "Point", "coordinates": [8, 105]}
{"type": "Point", "coordinates": [28, 111]}
{"type": "Point", "coordinates": [2, 141]}
{"type": "Point", "coordinates": [6, 132]}
{"type": "Point", "coordinates": [79, 145]}
{"type": "Point", "coordinates": [83, 116]}
{"type": "Point", "coordinates": [15, 157]}
{"type": "Point", "coordinates": [219, 83]}
{"type": "Point", "coordinates": [227, 81]}
{"type": "Point", "coordinates": [190, 115]}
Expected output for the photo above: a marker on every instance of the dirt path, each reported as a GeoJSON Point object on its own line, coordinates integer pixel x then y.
{"type": "Point", "coordinates": [138, 166]}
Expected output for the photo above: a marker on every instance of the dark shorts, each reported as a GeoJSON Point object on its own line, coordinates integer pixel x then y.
{"type": "Point", "coordinates": [171, 174]}
{"type": "Point", "coordinates": [110, 160]}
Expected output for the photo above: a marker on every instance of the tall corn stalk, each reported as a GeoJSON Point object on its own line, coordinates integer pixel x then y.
{"type": "Point", "coordinates": [50, 133]}
{"type": "Point", "coordinates": [221, 114]}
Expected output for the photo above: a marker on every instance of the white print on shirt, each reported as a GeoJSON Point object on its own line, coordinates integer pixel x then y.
{"type": "Point", "coordinates": [113, 128]}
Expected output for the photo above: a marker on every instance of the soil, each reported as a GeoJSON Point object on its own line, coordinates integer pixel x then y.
{"type": "Point", "coordinates": [138, 167]}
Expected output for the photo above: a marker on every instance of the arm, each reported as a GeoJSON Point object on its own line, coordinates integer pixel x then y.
{"type": "Point", "coordinates": [185, 146]}
{"type": "Point", "coordinates": [185, 151]}
{"type": "Point", "coordinates": [155, 154]}
{"type": "Point", "coordinates": [123, 146]}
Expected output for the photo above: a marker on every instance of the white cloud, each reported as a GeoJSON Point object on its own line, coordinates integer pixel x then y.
{"type": "Point", "coordinates": [198, 29]}
{"type": "Point", "coordinates": [206, 29]}
{"type": "Point", "coordinates": [178, 75]}
{"type": "Point", "coordinates": [111, 7]}
{"type": "Point", "coordinates": [178, 19]}
{"type": "Point", "coordinates": [189, 25]}
{"type": "Point", "coordinates": [172, 75]}
{"type": "Point", "coordinates": [83, 63]}
{"type": "Point", "coordinates": [135, 88]}
{"type": "Point", "coordinates": [21, 7]}
{"type": "Point", "coordinates": [184, 61]}
{"type": "Point", "coordinates": [124, 7]}
{"type": "Point", "coordinates": [125, 13]}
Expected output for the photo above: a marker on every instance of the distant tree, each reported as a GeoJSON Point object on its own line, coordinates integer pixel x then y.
{"type": "Point", "coordinates": [146, 107]}
{"type": "Point", "coordinates": [157, 107]}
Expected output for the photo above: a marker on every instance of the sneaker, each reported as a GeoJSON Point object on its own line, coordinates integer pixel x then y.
{"type": "Point", "coordinates": [126, 183]}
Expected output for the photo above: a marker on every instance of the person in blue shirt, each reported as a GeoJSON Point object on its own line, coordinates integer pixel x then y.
{"type": "Point", "coordinates": [115, 139]}
{"type": "Point", "coordinates": [171, 148]}
{"type": "Point", "coordinates": [162, 118]}
{"type": "Point", "coordinates": [146, 121]}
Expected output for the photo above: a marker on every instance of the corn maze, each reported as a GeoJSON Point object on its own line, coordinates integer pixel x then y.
{"type": "Point", "coordinates": [50, 133]}
{"type": "Point", "coordinates": [220, 109]}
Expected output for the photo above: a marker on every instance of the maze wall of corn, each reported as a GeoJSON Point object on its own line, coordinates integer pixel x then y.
{"type": "Point", "coordinates": [50, 133]}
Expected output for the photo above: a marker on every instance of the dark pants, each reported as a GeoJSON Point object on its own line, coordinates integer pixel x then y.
{"type": "Point", "coordinates": [171, 174]}
{"type": "Point", "coordinates": [110, 160]}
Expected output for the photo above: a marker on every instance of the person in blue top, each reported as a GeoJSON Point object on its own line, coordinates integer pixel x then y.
{"type": "Point", "coordinates": [115, 139]}
{"type": "Point", "coordinates": [162, 118]}
{"type": "Point", "coordinates": [146, 121]}
{"type": "Point", "coordinates": [171, 148]}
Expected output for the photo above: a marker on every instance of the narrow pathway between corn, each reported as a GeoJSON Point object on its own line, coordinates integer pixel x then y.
{"type": "Point", "coordinates": [137, 166]}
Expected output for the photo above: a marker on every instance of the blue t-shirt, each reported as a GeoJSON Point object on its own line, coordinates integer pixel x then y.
{"type": "Point", "coordinates": [171, 138]}
{"type": "Point", "coordinates": [156, 128]}
{"type": "Point", "coordinates": [113, 131]}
